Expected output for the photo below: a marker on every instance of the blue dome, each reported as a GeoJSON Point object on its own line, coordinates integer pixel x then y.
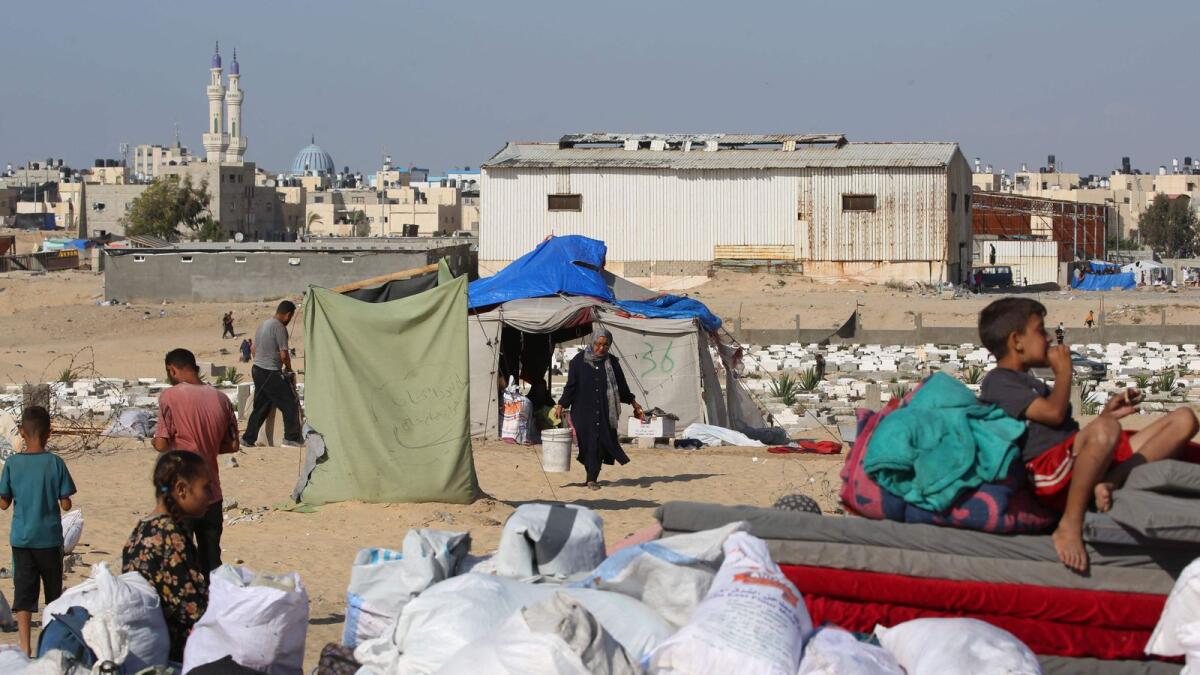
{"type": "Point", "coordinates": [312, 159]}
{"type": "Point", "coordinates": [216, 59]}
{"type": "Point", "coordinates": [233, 67]}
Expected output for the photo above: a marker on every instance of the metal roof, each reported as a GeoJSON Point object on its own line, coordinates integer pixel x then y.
{"type": "Point", "coordinates": [551, 155]}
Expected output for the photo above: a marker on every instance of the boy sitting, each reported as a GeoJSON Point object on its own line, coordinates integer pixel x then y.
{"type": "Point", "coordinates": [1068, 467]}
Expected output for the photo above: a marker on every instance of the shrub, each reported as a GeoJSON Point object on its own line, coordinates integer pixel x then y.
{"type": "Point", "coordinates": [67, 376]}
{"type": "Point", "coordinates": [1088, 406]}
{"type": "Point", "coordinates": [1143, 381]}
{"type": "Point", "coordinates": [973, 375]}
{"type": "Point", "coordinates": [809, 380]}
{"type": "Point", "coordinates": [1165, 382]}
{"type": "Point", "coordinates": [232, 376]}
{"type": "Point", "coordinates": [784, 388]}
{"type": "Point", "coordinates": [901, 390]}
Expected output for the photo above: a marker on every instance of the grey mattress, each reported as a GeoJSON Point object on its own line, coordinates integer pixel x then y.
{"type": "Point", "coordinates": [1061, 665]}
{"type": "Point", "coordinates": [890, 546]}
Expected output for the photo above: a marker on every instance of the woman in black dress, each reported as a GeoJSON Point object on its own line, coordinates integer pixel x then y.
{"type": "Point", "coordinates": [595, 390]}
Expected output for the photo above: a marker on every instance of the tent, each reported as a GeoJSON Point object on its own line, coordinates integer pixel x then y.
{"type": "Point", "coordinates": [1149, 270]}
{"type": "Point", "coordinates": [555, 293]}
{"type": "Point", "coordinates": [387, 390]}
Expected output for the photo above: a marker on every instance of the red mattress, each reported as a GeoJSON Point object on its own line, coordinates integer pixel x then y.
{"type": "Point", "coordinates": [1052, 621]}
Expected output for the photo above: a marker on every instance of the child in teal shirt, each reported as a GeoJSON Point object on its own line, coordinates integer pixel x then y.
{"type": "Point", "coordinates": [39, 484]}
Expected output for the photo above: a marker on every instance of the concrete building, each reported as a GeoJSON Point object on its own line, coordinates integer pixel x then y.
{"type": "Point", "coordinates": [8, 205]}
{"type": "Point", "coordinates": [387, 213]}
{"type": "Point", "coordinates": [212, 272]}
{"type": "Point", "coordinates": [151, 161]}
{"type": "Point", "coordinates": [671, 204]}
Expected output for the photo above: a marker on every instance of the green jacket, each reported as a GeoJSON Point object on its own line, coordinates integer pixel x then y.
{"type": "Point", "coordinates": [943, 442]}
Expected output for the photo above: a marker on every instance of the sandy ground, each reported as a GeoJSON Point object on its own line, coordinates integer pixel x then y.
{"type": "Point", "coordinates": [114, 491]}
{"type": "Point", "coordinates": [774, 301]}
{"type": "Point", "coordinates": [48, 320]}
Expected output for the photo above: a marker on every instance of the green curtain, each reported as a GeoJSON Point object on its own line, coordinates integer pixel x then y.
{"type": "Point", "coordinates": [387, 386]}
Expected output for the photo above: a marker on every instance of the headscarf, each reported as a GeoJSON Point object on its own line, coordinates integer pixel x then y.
{"type": "Point", "coordinates": [594, 359]}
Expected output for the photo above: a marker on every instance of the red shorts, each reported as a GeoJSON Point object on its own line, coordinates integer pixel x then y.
{"type": "Point", "coordinates": [1050, 472]}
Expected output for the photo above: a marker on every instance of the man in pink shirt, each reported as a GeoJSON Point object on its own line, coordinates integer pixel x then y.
{"type": "Point", "coordinates": [196, 417]}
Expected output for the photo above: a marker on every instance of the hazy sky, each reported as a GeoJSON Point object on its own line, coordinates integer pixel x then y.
{"type": "Point", "coordinates": [444, 85]}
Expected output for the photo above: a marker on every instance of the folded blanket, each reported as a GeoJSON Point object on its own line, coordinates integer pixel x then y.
{"type": "Point", "coordinates": [943, 442]}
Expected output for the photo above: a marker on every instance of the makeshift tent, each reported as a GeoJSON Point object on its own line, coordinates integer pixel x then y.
{"type": "Point", "coordinates": [386, 386]}
{"type": "Point", "coordinates": [1149, 271]}
{"type": "Point", "coordinates": [555, 293]}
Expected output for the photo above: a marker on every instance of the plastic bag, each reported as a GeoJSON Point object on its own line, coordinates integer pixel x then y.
{"type": "Point", "coordinates": [1182, 608]}
{"type": "Point", "coordinates": [753, 620]}
{"type": "Point", "coordinates": [551, 540]}
{"type": "Point", "coordinates": [671, 575]}
{"type": "Point", "coordinates": [938, 646]}
{"type": "Point", "coordinates": [833, 651]}
{"type": "Point", "coordinates": [72, 526]}
{"type": "Point", "coordinates": [518, 412]}
{"type": "Point", "coordinates": [557, 636]}
{"type": "Point", "coordinates": [259, 620]}
{"type": "Point", "coordinates": [132, 607]}
{"type": "Point", "coordinates": [455, 612]}
{"type": "Point", "coordinates": [382, 581]}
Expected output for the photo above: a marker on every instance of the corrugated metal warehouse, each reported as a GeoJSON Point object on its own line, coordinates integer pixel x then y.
{"type": "Point", "coordinates": [669, 204]}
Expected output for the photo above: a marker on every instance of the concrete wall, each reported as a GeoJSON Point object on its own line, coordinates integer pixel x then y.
{"type": "Point", "coordinates": [244, 276]}
{"type": "Point", "coordinates": [1160, 331]}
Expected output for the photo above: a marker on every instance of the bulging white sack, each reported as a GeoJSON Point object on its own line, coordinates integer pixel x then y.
{"type": "Point", "coordinates": [72, 526]}
{"type": "Point", "coordinates": [130, 605]}
{"type": "Point", "coordinates": [939, 646]}
{"type": "Point", "coordinates": [453, 613]}
{"type": "Point", "coordinates": [259, 620]}
{"type": "Point", "coordinates": [1182, 608]}
{"type": "Point", "coordinates": [551, 540]}
{"type": "Point", "coordinates": [556, 636]}
{"type": "Point", "coordinates": [833, 651]}
{"type": "Point", "coordinates": [753, 620]}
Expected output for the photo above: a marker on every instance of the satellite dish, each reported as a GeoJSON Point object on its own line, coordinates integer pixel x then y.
{"type": "Point", "coordinates": [238, 237]}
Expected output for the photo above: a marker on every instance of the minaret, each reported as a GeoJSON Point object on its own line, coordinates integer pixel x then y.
{"type": "Point", "coordinates": [237, 142]}
{"type": "Point", "coordinates": [215, 138]}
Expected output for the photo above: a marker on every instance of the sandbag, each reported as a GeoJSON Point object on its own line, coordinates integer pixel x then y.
{"type": "Point", "coordinates": [753, 620]}
{"type": "Point", "coordinates": [455, 612]}
{"type": "Point", "coordinates": [550, 540]}
{"type": "Point", "coordinates": [132, 614]}
{"type": "Point", "coordinates": [671, 575]}
{"type": "Point", "coordinates": [260, 620]}
{"type": "Point", "coordinates": [1182, 608]}
{"type": "Point", "coordinates": [382, 581]}
{"type": "Point", "coordinates": [72, 526]}
{"type": "Point", "coordinates": [833, 651]}
{"type": "Point", "coordinates": [556, 636]}
{"type": "Point", "coordinates": [939, 646]}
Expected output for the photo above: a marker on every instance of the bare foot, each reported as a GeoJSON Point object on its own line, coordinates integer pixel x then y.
{"type": "Point", "coordinates": [1069, 545]}
{"type": "Point", "coordinates": [1104, 499]}
{"type": "Point", "coordinates": [593, 485]}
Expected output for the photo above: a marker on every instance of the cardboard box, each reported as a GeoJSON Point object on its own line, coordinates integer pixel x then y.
{"type": "Point", "coordinates": [658, 427]}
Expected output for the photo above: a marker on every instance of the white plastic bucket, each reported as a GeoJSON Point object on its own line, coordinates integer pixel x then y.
{"type": "Point", "coordinates": [556, 450]}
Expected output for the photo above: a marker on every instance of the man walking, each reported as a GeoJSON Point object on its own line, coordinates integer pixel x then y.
{"type": "Point", "coordinates": [272, 375]}
{"type": "Point", "coordinates": [195, 417]}
{"type": "Point", "coordinates": [227, 324]}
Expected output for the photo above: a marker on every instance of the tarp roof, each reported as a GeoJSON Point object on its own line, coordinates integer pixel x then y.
{"type": "Point", "coordinates": [569, 264]}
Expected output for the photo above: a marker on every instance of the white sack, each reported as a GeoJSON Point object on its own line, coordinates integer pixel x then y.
{"type": "Point", "coordinates": [939, 646]}
{"type": "Point", "coordinates": [132, 606]}
{"type": "Point", "coordinates": [382, 581]}
{"type": "Point", "coordinates": [713, 435]}
{"type": "Point", "coordinates": [12, 660]}
{"type": "Point", "coordinates": [671, 575]}
{"type": "Point", "coordinates": [1189, 637]}
{"type": "Point", "coordinates": [833, 651]}
{"type": "Point", "coordinates": [753, 620]}
{"type": "Point", "coordinates": [550, 540]}
{"type": "Point", "coordinates": [517, 416]}
{"type": "Point", "coordinates": [72, 526]}
{"type": "Point", "coordinates": [554, 637]}
{"type": "Point", "coordinates": [1182, 608]}
{"type": "Point", "coordinates": [455, 612]}
{"type": "Point", "coordinates": [259, 620]}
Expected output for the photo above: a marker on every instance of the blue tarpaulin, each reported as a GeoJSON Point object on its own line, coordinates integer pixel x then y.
{"type": "Point", "coordinates": [1098, 266]}
{"type": "Point", "coordinates": [570, 264]}
{"type": "Point", "coordinates": [672, 307]}
{"type": "Point", "coordinates": [1105, 282]}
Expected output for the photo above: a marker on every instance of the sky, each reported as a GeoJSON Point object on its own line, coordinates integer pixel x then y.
{"type": "Point", "coordinates": [446, 85]}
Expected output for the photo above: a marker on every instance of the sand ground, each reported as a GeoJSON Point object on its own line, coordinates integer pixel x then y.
{"type": "Point", "coordinates": [47, 321]}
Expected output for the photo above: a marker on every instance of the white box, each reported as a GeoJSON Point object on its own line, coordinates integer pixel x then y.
{"type": "Point", "coordinates": [658, 427]}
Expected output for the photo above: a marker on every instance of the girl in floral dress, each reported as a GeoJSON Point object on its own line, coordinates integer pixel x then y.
{"type": "Point", "coordinates": [161, 550]}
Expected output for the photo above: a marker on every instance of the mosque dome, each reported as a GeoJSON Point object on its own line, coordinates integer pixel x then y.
{"type": "Point", "coordinates": [216, 59]}
{"type": "Point", "coordinates": [233, 67]}
{"type": "Point", "coordinates": [312, 159]}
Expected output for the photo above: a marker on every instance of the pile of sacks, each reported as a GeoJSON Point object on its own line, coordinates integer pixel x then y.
{"type": "Point", "coordinates": [254, 621]}
{"type": "Point", "coordinates": [550, 602]}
